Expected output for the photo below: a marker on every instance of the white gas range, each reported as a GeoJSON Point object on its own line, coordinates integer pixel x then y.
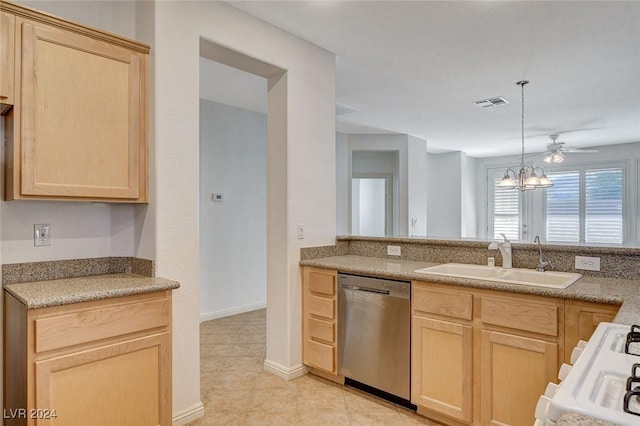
{"type": "Point", "coordinates": [604, 381]}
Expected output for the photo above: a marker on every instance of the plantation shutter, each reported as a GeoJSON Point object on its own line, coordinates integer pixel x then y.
{"type": "Point", "coordinates": [506, 213]}
{"type": "Point", "coordinates": [603, 206]}
{"type": "Point", "coordinates": [563, 207]}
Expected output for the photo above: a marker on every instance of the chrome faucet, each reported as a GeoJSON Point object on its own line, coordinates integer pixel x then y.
{"type": "Point", "coordinates": [505, 251]}
{"type": "Point", "coordinates": [541, 263]}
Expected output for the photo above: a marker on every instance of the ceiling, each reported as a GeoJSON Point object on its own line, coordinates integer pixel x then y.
{"type": "Point", "coordinates": [417, 67]}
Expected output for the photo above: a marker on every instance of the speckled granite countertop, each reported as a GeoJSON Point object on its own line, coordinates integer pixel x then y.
{"type": "Point", "coordinates": [591, 289]}
{"type": "Point", "coordinates": [574, 419]}
{"type": "Point", "coordinates": [43, 294]}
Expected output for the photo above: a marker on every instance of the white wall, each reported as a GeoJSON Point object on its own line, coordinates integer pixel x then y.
{"type": "Point", "coordinates": [233, 233]}
{"type": "Point", "coordinates": [417, 181]}
{"type": "Point", "coordinates": [343, 203]}
{"type": "Point", "coordinates": [301, 192]}
{"type": "Point", "coordinates": [469, 201]}
{"type": "Point", "coordinates": [444, 210]}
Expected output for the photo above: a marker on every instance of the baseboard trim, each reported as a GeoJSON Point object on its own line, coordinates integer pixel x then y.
{"type": "Point", "coordinates": [232, 311]}
{"type": "Point", "coordinates": [188, 414]}
{"type": "Point", "coordinates": [287, 373]}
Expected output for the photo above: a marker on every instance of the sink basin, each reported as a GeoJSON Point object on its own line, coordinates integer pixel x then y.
{"type": "Point", "coordinates": [521, 276]}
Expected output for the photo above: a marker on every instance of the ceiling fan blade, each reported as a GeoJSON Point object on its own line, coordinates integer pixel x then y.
{"type": "Point", "coordinates": [581, 151]}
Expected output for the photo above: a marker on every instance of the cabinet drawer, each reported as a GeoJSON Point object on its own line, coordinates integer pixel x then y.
{"type": "Point", "coordinates": [449, 303]}
{"type": "Point", "coordinates": [90, 325]}
{"type": "Point", "coordinates": [537, 317]}
{"type": "Point", "coordinates": [322, 307]}
{"type": "Point", "coordinates": [322, 282]}
{"type": "Point", "coordinates": [322, 330]}
{"type": "Point", "coordinates": [321, 356]}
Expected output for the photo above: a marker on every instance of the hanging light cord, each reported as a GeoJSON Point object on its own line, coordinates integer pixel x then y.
{"type": "Point", "coordinates": [522, 83]}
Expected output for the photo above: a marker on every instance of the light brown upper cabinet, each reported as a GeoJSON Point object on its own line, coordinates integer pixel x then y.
{"type": "Point", "coordinates": [7, 60]}
{"type": "Point", "coordinates": [78, 129]}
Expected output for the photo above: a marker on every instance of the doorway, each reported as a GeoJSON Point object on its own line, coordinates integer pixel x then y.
{"type": "Point", "coordinates": [372, 204]}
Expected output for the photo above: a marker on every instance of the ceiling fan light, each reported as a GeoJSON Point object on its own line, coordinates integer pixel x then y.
{"type": "Point", "coordinates": [557, 158]}
{"type": "Point", "coordinates": [548, 158]}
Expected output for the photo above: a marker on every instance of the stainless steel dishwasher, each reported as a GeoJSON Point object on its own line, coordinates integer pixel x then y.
{"type": "Point", "coordinates": [374, 325]}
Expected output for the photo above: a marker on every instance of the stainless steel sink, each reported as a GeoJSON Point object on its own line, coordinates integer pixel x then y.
{"type": "Point", "coordinates": [521, 276]}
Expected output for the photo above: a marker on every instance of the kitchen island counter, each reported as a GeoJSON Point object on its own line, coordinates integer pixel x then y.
{"type": "Point", "coordinates": [590, 289]}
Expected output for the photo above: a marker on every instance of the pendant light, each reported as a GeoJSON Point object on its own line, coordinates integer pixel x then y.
{"type": "Point", "coordinates": [526, 178]}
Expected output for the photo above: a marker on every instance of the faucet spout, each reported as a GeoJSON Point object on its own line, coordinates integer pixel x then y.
{"type": "Point", "coordinates": [505, 251]}
{"type": "Point", "coordinates": [541, 263]}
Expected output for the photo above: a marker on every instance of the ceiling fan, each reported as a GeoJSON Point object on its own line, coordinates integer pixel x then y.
{"type": "Point", "coordinates": [556, 151]}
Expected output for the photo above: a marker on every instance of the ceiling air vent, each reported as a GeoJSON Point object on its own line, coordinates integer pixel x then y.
{"type": "Point", "coordinates": [344, 109]}
{"type": "Point", "coordinates": [491, 102]}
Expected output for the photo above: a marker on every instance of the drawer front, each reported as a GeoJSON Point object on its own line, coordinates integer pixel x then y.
{"type": "Point", "coordinates": [101, 323]}
{"type": "Point", "coordinates": [537, 317]}
{"type": "Point", "coordinates": [322, 330]}
{"type": "Point", "coordinates": [321, 356]}
{"type": "Point", "coordinates": [322, 282]}
{"type": "Point", "coordinates": [322, 307]}
{"type": "Point", "coordinates": [448, 303]}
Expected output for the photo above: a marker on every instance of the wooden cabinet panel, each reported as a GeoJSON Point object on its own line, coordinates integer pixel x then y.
{"type": "Point", "coordinates": [78, 126]}
{"type": "Point", "coordinates": [322, 307]}
{"type": "Point", "coordinates": [581, 320]}
{"type": "Point", "coordinates": [319, 320]}
{"type": "Point", "coordinates": [95, 324]}
{"type": "Point", "coordinates": [120, 376]}
{"type": "Point", "coordinates": [129, 369]}
{"type": "Point", "coordinates": [453, 304]}
{"type": "Point", "coordinates": [321, 356]}
{"type": "Point", "coordinates": [81, 111]}
{"type": "Point", "coordinates": [514, 373]}
{"type": "Point", "coordinates": [441, 362]}
{"type": "Point", "coordinates": [7, 60]}
{"type": "Point", "coordinates": [321, 282]}
{"type": "Point", "coordinates": [322, 330]}
{"type": "Point", "coordinates": [519, 314]}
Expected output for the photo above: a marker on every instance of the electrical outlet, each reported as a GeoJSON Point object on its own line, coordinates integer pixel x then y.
{"type": "Point", "coordinates": [393, 251]}
{"type": "Point", "coordinates": [587, 263]}
{"type": "Point", "coordinates": [41, 236]}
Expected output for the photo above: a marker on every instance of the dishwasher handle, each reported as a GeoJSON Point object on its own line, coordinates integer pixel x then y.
{"type": "Point", "coordinates": [371, 290]}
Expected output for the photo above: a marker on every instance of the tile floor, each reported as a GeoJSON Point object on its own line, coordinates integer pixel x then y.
{"type": "Point", "coordinates": [236, 390]}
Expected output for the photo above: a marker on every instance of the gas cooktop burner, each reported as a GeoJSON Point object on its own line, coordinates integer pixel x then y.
{"type": "Point", "coordinates": [631, 403]}
{"type": "Point", "coordinates": [633, 337]}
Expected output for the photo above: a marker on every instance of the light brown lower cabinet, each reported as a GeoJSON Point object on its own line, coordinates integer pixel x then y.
{"type": "Point", "coordinates": [482, 357]}
{"type": "Point", "coordinates": [582, 319]}
{"type": "Point", "coordinates": [442, 366]}
{"type": "Point", "coordinates": [101, 362]}
{"type": "Point", "coordinates": [515, 371]}
{"type": "Point", "coordinates": [320, 321]}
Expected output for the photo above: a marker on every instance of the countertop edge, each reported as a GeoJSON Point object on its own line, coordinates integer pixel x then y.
{"type": "Point", "coordinates": [97, 288]}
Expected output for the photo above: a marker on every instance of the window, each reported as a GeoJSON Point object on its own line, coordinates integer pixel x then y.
{"type": "Point", "coordinates": [506, 211]}
{"type": "Point", "coordinates": [585, 206]}
{"type": "Point", "coordinates": [563, 207]}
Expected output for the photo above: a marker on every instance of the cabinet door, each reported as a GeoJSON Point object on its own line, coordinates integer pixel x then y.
{"type": "Point", "coordinates": [514, 373]}
{"type": "Point", "coordinates": [441, 362]}
{"type": "Point", "coordinates": [119, 384]}
{"type": "Point", "coordinates": [82, 101]}
{"type": "Point", "coordinates": [581, 320]}
{"type": "Point", "coordinates": [7, 56]}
